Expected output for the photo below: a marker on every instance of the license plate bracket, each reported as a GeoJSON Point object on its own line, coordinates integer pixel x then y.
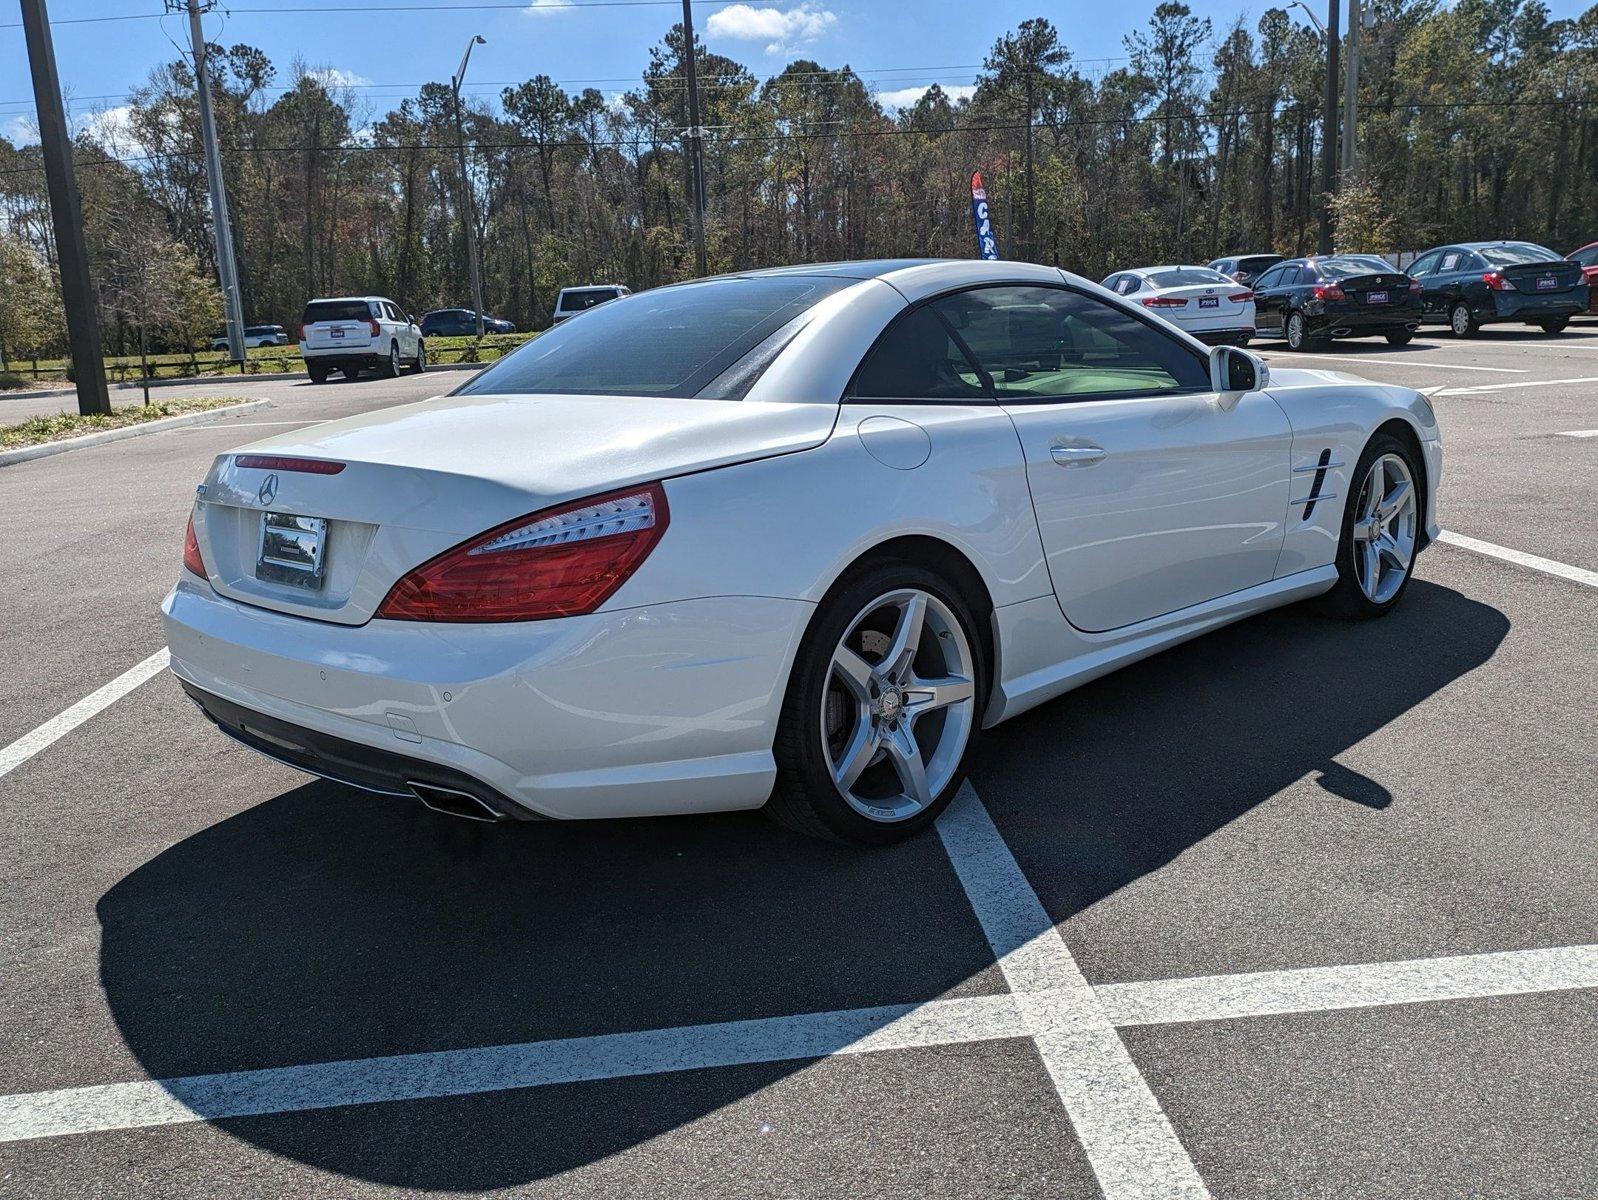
{"type": "Point", "coordinates": [1209, 302]}
{"type": "Point", "coordinates": [293, 550]}
{"type": "Point", "coordinates": [1547, 283]}
{"type": "Point", "coordinates": [1375, 297]}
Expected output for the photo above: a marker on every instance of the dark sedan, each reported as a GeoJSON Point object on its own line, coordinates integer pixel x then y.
{"type": "Point", "coordinates": [1310, 300]}
{"type": "Point", "coordinates": [461, 322]}
{"type": "Point", "coordinates": [1245, 268]}
{"type": "Point", "coordinates": [1587, 259]}
{"type": "Point", "coordinates": [1471, 284]}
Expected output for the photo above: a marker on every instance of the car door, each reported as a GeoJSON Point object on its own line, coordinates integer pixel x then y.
{"type": "Point", "coordinates": [1422, 270]}
{"type": "Point", "coordinates": [1448, 282]}
{"type": "Point", "coordinates": [1152, 492]}
{"type": "Point", "coordinates": [1268, 301]}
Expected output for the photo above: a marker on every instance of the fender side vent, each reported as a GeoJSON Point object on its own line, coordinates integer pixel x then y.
{"type": "Point", "coordinates": [1316, 495]}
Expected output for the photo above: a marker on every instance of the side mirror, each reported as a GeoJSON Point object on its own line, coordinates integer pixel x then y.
{"type": "Point", "coordinates": [1234, 370]}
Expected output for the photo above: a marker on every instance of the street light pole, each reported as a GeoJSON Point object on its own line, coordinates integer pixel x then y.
{"type": "Point", "coordinates": [1329, 131]}
{"type": "Point", "coordinates": [226, 268]}
{"type": "Point", "coordinates": [1351, 93]}
{"type": "Point", "coordinates": [66, 215]}
{"type": "Point", "coordinates": [696, 135]}
{"type": "Point", "coordinates": [466, 187]}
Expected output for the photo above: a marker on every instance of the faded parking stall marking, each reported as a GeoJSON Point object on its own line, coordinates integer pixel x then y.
{"type": "Point", "coordinates": [57, 727]}
{"type": "Point", "coordinates": [1520, 558]}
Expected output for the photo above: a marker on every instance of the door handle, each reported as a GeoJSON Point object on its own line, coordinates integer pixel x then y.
{"type": "Point", "coordinates": [1076, 456]}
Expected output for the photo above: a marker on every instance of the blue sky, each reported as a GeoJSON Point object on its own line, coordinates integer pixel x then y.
{"type": "Point", "coordinates": [900, 46]}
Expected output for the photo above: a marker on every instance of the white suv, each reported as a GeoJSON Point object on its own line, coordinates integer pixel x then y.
{"type": "Point", "coordinates": [356, 333]}
{"type": "Point", "coordinates": [574, 300]}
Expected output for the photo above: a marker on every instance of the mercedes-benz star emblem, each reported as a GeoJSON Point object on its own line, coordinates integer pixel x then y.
{"type": "Point", "coordinates": [267, 492]}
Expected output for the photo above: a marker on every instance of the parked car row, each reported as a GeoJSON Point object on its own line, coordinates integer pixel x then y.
{"type": "Point", "coordinates": [1311, 300]}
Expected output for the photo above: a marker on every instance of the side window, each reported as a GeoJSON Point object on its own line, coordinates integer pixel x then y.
{"type": "Point", "coordinates": [1451, 261]}
{"type": "Point", "coordinates": [1269, 280]}
{"type": "Point", "coordinates": [916, 359]}
{"type": "Point", "coordinates": [1425, 264]}
{"type": "Point", "coordinates": [1472, 262]}
{"type": "Point", "coordinates": [1587, 257]}
{"type": "Point", "coordinates": [1051, 344]}
{"type": "Point", "coordinates": [1290, 277]}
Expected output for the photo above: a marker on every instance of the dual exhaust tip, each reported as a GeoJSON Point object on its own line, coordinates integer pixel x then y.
{"type": "Point", "coordinates": [454, 803]}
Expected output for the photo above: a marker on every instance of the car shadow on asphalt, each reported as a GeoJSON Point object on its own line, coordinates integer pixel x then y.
{"type": "Point", "coordinates": [325, 924]}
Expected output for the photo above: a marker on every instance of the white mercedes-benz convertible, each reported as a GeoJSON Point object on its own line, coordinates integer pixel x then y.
{"type": "Point", "coordinates": [787, 538]}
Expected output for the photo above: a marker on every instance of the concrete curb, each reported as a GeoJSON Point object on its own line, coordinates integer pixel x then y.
{"type": "Point", "coordinates": [29, 453]}
{"type": "Point", "coordinates": [225, 378]}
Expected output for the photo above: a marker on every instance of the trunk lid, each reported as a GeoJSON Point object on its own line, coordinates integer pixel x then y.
{"type": "Point", "coordinates": [337, 325]}
{"type": "Point", "coordinates": [1543, 278]}
{"type": "Point", "coordinates": [419, 478]}
{"type": "Point", "coordinates": [1207, 299]}
{"type": "Point", "coordinates": [1376, 290]}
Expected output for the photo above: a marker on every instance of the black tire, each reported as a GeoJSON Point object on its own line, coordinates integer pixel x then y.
{"type": "Point", "coordinates": [1461, 320]}
{"type": "Point", "coordinates": [806, 799]}
{"type": "Point", "coordinates": [1347, 600]}
{"type": "Point", "coordinates": [420, 364]}
{"type": "Point", "coordinates": [317, 374]}
{"type": "Point", "coordinates": [1243, 340]}
{"type": "Point", "coordinates": [1555, 326]}
{"type": "Point", "coordinates": [1401, 337]}
{"type": "Point", "coordinates": [390, 368]}
{"type": "Point", "coordinates": [1296, 330]}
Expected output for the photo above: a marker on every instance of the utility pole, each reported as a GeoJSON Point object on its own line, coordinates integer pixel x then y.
{"type": "Point", "coordinates": [1329, 128]}
{"type": "Point", "coordinates": [472, 270]}
{"type": "Point", "coordinates": [1351, 94]}
{"type": "Point", "coordinates": [1031, 194]}
{"type": "Point", "coordinates": [696, 136]}
{"type": "Point", "coordinates": [226, 269]}
{"type": "Point", "coordinates": [66, 215]}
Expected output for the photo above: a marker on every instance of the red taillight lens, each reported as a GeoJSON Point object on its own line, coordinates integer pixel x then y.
{"type": "Point", "coordinates": [561, 562]}
{"type": "Point", "coordinates": [1414, 286]}
{"type": "Point", "coordinates": [1329, 291]}
{"type": "Point", "coordinates": [277, 462]}
{"type": "Point", "coordinates": [1241, 296]}
{"type": "Point", "coordinates": [1496, 281]}
{"type": "Point", "coordinates": [191, 552]}
{"type": "Point", "coordinates": [377, 329]}
{"type": "Point", "coordinates": [1164, 302]}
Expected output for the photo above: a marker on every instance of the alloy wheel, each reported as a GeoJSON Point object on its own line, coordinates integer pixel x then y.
{"type": "Point", "coordinates": [1295, 332]}
{"type": "Point", "coordinates": [1384, 528]}
{"type": "Point", "coordinates": [1459, 320]}
{"type": "Point", "coordinates": [899, 705]}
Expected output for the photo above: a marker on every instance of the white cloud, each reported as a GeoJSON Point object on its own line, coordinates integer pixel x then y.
{"type": "Point", "coordinates": [19, 131]}
{"type": "Point", "coordinates": [781, 30]}
{"type": "Point", "coordinates": [109, 127]}
{"type": "Point", "coordinates": [548, 8]}
{"type": "Point", "coordinates": [335, 77]}
{"type": "Point", "coordinates": [906, 97]}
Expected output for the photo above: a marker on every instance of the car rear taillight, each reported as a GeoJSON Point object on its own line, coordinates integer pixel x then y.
{"type": "Point", "coordinates": [1239, 297]}
{"type": "Point", "coordinates": [1329, 291]}
{"type": "Point", "coordinates": [1164, 302]}
{"type": "Point", "coordinates": [377, 330]}
{"type": "Point", "coordinates": [1415, 286]}
{"type": "Point", "coordinates": [192, 560]}
{"type": "Point", "coordinates": [561, 562]}
{"type": "Point", "coordinates": [1496, 281]}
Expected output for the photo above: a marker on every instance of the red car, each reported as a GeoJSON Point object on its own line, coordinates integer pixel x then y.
{"type": "Point", "coordinates": [1587, 256]}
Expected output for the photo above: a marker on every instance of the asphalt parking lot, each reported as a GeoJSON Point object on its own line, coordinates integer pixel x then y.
{"type": "Point", "coordinates": [1300, 909]}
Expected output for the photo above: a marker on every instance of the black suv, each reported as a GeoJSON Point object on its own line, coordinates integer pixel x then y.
{"type": "Point", "coordinates": [1309, 300]}
{"type": "Point", "coordinates": [1245, 268]}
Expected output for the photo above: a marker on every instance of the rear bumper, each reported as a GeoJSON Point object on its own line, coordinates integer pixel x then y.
{"type": "Point", "coordinates": [1520, 306]}
{"type": "Point", "coordinates": [338, 356]}
{"type": "Point", "coordinates": [668, 708]}
{"type": "Point", "coordinates": [1365, 322]}
{"type": "Point", "coordinates": [1223, 337]}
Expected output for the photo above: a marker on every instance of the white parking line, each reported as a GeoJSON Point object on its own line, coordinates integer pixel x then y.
{"type": "Point", "coordinates": [503, 1068]}
{"type": "Point", "coordinates": [1125, 1134]}
{"type": "Point", "coordinates": [1354, 360]}
{"type": "Point", "coordinates": [1521, 558]}
{"type": "Point", "coordinates": [1580, 433]}
{"type": "Point", "coordinates": [1519, 383]}
{"type": "Point", "coordinates": [1363, 985]}
{"type": "Point", "coordinates": [57, 727]}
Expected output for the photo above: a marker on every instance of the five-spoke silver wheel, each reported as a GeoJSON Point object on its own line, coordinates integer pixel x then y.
{"type": "Point", "coordinates": [1384, 528]}
{"type": "Point", "coordinates": [899, 705]}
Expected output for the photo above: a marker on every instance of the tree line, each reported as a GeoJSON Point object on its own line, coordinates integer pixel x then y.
{"type": "Point", "coordinates": [1476, 120]}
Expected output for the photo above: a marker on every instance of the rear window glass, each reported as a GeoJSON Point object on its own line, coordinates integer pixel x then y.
{"type": "Point", "coordinates": [1258, 263]}
{"type": "Point", "coordinates": [586, 298]}
{"type": "Point", "coordinates": [1520, 252]}
{"type": "Point", "coordinates": [1352, 264]}
{"type": "Point", "coordinates": [1186, 277]}
{"type": "Point", "coordinates": [335, 310]}
{"type": "Point", "coordinates": [670, 341]}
